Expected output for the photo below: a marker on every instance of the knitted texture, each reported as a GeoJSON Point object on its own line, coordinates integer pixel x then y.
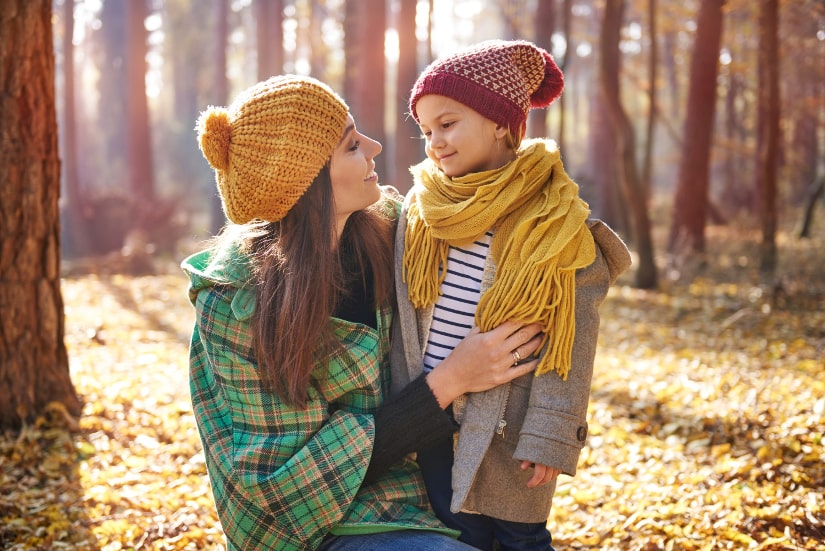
{"type": "Point", "coordinates": [541, 239]}
{"type": "Point", "coordinates": [499, 79]}
{"type": "Point", "coordinates": [268, 146]}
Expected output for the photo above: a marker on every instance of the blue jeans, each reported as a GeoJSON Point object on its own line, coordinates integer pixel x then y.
{"type": "Point", "coordinates": [480, 531]}
{"type": "Point", "coordinates": [403, 540]}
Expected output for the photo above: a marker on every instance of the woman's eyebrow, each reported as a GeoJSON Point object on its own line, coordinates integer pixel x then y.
{"type": "Point", "coordinates": [347, 131]}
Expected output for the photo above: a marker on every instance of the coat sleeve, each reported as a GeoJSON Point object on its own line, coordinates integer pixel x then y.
{"type": "Point", "coordinates": [282, 476]}
{"type": "Point", "coordinates": [555, 426]}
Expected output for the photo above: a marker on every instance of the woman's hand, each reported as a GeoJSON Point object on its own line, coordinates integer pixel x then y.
{"type": "Point", "coordinates": [482, 361]}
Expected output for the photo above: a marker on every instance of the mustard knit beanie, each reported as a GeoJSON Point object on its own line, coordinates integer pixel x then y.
{"type": "Point", "coordinates": [500, 79]}
{"type": "Point", "coordinates": [268, 146]}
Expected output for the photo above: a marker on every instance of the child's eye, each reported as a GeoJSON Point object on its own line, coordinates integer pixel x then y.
{"type": "Point", "coordinates": [447, 124]}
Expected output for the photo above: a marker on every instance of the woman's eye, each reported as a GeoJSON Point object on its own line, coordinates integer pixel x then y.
{"type": "Point", "coordinates": [355, 145]}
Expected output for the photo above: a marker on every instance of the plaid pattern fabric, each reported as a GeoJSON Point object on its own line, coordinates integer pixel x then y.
{"type": "Point", "coordinates": [282, 477]}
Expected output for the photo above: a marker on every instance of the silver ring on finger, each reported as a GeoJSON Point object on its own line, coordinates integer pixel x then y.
{"type": "Point", "coordinates": [516, 357]}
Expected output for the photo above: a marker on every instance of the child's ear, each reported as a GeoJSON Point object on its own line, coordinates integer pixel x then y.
{"type": "Point", "coordinates": [500, 132]}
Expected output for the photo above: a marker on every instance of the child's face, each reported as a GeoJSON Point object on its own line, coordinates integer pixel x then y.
{"type": "Point", "coordinates": [459, 139]}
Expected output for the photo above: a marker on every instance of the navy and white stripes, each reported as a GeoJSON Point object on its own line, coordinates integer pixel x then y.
{"type": "Point", "coordinates": [455, 308]}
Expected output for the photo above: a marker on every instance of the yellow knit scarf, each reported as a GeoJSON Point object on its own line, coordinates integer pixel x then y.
{"type": "Point", "coordinates": [540, 240]}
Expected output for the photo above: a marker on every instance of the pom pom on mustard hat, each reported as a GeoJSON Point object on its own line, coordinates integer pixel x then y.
{"type": "Point", "coordinates": [268, 146]}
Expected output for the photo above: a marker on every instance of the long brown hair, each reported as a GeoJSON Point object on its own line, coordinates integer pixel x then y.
{"type": "Point", "coordinates": [299, 276]}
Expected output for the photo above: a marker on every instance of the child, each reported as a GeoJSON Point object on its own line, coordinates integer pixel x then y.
{"type": "Point", "coordinates": [494, 229]}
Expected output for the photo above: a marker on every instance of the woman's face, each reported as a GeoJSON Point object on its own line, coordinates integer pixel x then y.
{"type": "Point", "coordinates": [352, 173]}
{"type": "Point", "coordinates": [459, 139]}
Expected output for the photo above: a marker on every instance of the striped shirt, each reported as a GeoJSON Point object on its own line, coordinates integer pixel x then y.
{"type": "Point", "coordinates": [455, 309]}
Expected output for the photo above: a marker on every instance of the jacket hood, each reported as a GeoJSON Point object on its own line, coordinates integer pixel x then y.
{"type": "Point", "coordinates": [224, 265]}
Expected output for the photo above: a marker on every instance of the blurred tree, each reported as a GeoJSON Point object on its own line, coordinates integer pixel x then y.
{"type": "Point", "coordinates": [598, 176]}
{"type": "Point", "coordinates": [34, 366]}
{"type": "Point", "coordinates": [365, 24]}
{"type": "Point", "coordinates": [671, 66]}
{"type": "Point", "coordinates": [652, 77]}
{"type": "Point", "coordinates": [190, 73]}
{"type": "Point", "coordinates": [767, 133]}
{"type": "Point", "coordinates": [220, 93]}
{"type": "Point", "coordinates": [544, 25]}
{"type": "Point", "coordinates": [269, 19]}
{"type": "Point", "coordinates": [817, 192]}
{"type": "Point", "coordinates": [628, 176]}
{"type": "Point", "coordinates": [733, 139]}
{"type": "Point", "coordinates": [111, 118]}
{"type": "Point", "coordinates": [138, 129]}
{"type": "Point", "coordinates": [315, 37]}
{"type": "Point", "coordinates": [687, 230]}
{"type": "Point", "coordinates": [803, 93]}
{"type": "Point", "coordinates": [408, 150]}
{"type": "Point", "coordinates": [75, 223]}
{"type": "Point", "coordinates": [734, 131]}
{"type": "Point", "coordinates": [567, 20]}
{"type": "Point", "coordinates": [430, 17]}
{"type": "Point", "coordinates": [511, 13]}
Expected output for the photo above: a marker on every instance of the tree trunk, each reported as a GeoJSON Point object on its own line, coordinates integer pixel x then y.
{"type": "Point", "coordinates": [430, 17]}
{"type": "Point", "coordinates": [543, 26]}
{"type": "Point", "coordinates": [687, 231]}
{"type": "Point", "coordinates": [646, 276]}
{"type": "Point", "coordinates": [192, 62]}
{"type": "Point", "coordinates": [653, 63]}
{"type": "Point", "coordinates": [317, 46]}
{"type": "Point", "coordinates": [767, 132]}
{"type": "Point", "coordinates": [141, 172]}
{"type": "Point", "coordinates": [365, 78]}
{"type": "Point", "coordinates": [34, 366]}
{"type": "Point", "coordinates": [269, 16]}
{"type": "Point", "coordinates": [112, 89]}
{"type": "Point", "coordinates": [408, 146]}
{"type": "Point", "coordinates": [567, 21]}
{"type": "Point", "coordinates": [807, 220]}
{"type": "Point", "coordinates": [217, 218]}
{"type": "Point", "coordinates": [602, 169]}
{"type": "Point", "coordinates": [669, 62]}
{"type": "Point", "coordinates": [75, 226]}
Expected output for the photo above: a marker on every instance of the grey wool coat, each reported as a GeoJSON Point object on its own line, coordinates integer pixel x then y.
{"type": "Point", "coordinates": [538, 419]}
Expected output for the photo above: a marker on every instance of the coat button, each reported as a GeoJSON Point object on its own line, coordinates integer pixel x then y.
{"type": "Point", "coordinates": [581, 434]}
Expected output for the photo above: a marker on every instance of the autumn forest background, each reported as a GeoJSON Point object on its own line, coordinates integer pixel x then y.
{"type": "Point", "coordinates": [696, 128]}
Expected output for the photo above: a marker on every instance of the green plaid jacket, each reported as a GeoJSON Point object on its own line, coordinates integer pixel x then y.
{"type": "Point", "coordinates": [283, 477]}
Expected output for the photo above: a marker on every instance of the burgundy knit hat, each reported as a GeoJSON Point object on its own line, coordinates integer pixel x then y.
{"type": "Point", "coordinates": [500, 79]}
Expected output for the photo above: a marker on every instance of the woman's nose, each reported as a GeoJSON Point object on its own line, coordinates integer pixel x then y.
{"type": "Point", "coordinates": [375, 147]}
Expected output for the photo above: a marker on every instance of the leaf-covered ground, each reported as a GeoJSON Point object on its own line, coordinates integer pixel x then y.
{"type": "Point", "coordinates": [707, 419]}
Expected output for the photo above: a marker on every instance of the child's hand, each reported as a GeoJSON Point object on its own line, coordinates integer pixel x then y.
{"type": "Point", "coordinates": [542, 474]}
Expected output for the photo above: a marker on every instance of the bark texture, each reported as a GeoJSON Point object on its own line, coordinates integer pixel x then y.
{"type": "Point", "coordinates": [34, 367]}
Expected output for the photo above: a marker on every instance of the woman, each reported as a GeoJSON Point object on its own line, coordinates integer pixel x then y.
{"type": "Point", "coordinates": [289, 369]}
